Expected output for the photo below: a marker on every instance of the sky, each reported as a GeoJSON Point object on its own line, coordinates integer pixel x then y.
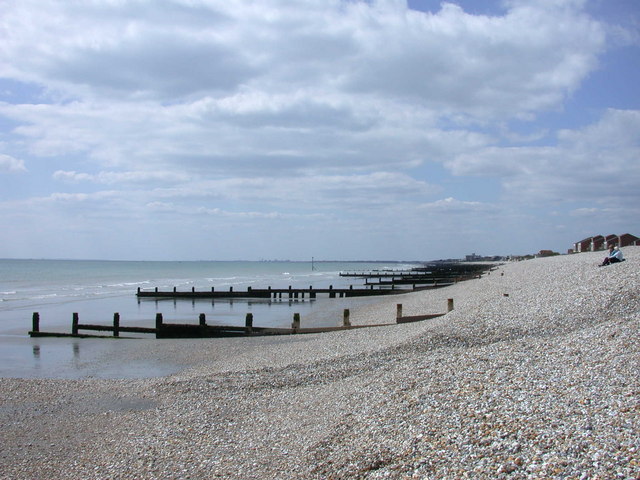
{"type": "Point", "coordinates": [332, 129]}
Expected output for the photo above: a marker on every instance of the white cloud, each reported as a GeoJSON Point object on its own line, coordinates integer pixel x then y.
{"type": "Point", "coordinates": [452, 206]}
{"type": "Point", "coordinates": [320, 192]}
{"type": "Point", "coordinates": [591, 212]}
{"type": "Point", "coordinates": [360, 114]}
{"type": "Point", "coordinates": [521, 63]}
{"type": "Point", "coordinates": [515, 64]}
{"type": "Point", "coordinates": [181, 210]}
{"type": "Point", "coordinates": [596, 163]}
{"type": "Point", "coordinates": [9, 164]}
{"type": "Point", "coordinates": [223, 86]}
{"type": "Point", "coordinates": [111, 178]}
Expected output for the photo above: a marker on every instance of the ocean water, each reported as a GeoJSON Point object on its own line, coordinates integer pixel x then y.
{"type": "Point", "coordinates": [97, 289]}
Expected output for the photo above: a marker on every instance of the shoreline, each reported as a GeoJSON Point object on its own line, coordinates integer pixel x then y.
{"type": "Point", "coordinates": [96, 292]}
{"type": "Point", "coordinates": [541, 383]}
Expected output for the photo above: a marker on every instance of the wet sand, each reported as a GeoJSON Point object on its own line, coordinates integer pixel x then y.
{"type": "Point", "coordinates": [64, 357]}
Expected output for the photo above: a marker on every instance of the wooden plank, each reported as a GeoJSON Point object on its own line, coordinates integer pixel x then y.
{"type": "Point", "coordinates": [61, 334]}
{"type": "Point", "coordinates": [197, 331]}
{"type": "Point", "coordinates": [418, 318]}
{"type": "Point", "coordinates": [205, 294]}
{"type": "Point", "coordinates": [263, 293]}
{"type": "Point", "coordinates": [110, 328]}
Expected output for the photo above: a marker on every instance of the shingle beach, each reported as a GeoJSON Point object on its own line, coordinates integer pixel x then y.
{"type": "Point", "coordinates": [535, 374]}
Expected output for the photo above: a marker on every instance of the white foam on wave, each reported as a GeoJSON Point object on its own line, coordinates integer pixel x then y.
{"type": "Point", "coordinates": [125, 284]}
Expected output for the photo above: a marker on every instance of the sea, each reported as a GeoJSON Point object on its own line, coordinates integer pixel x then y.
{"type": "Point", "coordinates": [96, 289]}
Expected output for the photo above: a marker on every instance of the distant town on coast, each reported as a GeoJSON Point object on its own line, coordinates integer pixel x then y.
{"type": "Point", "coordinates": [589, 244]}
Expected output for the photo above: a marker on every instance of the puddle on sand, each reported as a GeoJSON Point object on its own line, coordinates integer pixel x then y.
{"type": "Point", "coordinates": [72, 358]}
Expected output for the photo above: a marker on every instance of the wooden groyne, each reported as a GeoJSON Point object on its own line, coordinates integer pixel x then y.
{"type": "Point", "coordinates": [204, 330]}
{"type": "Point", "coordinates": [270, 293]}
{"type": "Point", "coordinates": [377, 282]}
{"type": "Point", "coordinates": [435, 274]}
{"type": "Point", "coordinates": [76, 326]}
{"type": "Point", "coordinates": [187, 330]}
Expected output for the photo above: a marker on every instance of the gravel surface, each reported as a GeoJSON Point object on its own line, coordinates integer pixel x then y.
{"type": "Point", "coordinates": [534, 374]}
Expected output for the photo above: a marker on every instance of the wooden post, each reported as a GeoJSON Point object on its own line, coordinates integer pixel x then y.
{"type": "Point", "coordinates": [248, 322]}
{"type": "Point", "coordinates": [35, 322]}
{"type": "Point", "coordinates": [193, 289]}
{"type": "Point", "coordinates": [116, 324]}
{"type": "Point", "coordinates": [74, 324]}
{"type": "Point", "coordinates": [158, 321]}
{"type": "Point", "coordinates": [296, 322]}
{"type": "Point", "coordinates": [398, 311]}
{"type": "Point", "coordinates": [174, 289]}
{"type": "Point", "coordinates": [203, 320]}
{"type": "Point", "coordinates": [345, 318]}
{"type": "Point", "coordinates": [212, 289]}
{"type": "Point", "coordinates": [449, 304]}
{"type": "Point", "coordinates": [156, 289]}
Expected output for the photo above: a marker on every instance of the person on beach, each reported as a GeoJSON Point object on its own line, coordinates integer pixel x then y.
{"type": "Point", "coordinates": [615, 256]}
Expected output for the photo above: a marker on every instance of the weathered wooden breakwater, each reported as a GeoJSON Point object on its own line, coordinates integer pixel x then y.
{"type": "Point", "coordinates": [204, 330]}
{"type": "Point", "coordinates": [432, 276]}
{"type": "Point", "coordinates": [268, 293]}
{"type": "Point", "coordinates": [377, 282]}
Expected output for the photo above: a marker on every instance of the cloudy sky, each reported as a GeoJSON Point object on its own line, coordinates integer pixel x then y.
{"type": "Point", "coordinates": [338, 129]}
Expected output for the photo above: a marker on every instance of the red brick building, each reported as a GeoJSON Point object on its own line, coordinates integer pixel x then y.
{"type": "Point", "coordinates": [598, 242]}
{"type": "Point", "coordinates": [582, 245]}
{"type": "Point", "coordinates": [627, 239]}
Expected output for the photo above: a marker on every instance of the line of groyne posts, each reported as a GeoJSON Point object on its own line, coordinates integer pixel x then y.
{"type": "Point", "coordinates": [76, 326]}
{"type": "Point", "coordinates": [269, 292]}
{"type": "Point", "coordinates": [248, 328]}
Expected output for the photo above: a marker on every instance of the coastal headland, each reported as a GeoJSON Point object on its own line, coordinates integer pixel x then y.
{"type": "Point", "coordinates": [534, 374]}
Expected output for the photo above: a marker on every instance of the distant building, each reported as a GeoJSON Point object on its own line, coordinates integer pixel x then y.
{"type": "Point", "coordinates": [583, 245]}
{"type": "Point", "coordinates": [598, 242]}
{"type": "Point", "coordinates": [610, 240]}
{"type": "Point", "coordinates": [627, 239]}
